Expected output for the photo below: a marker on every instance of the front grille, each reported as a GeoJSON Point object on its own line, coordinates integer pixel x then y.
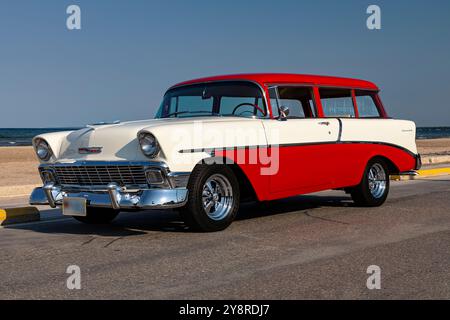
{"type": "Point", "coordinates": [93, 175]}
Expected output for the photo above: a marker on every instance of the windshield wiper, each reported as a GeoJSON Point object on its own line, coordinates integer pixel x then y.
{"type": "Point", "coordinates": [184, 112]}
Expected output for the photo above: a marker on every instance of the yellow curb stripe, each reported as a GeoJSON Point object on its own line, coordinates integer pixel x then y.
{"type": "Point", "coordinates": [423, 174]}
{"type": "Point", "coordinates": [433, 172]}
{"type": "Point", "coordinates": [18, 215]}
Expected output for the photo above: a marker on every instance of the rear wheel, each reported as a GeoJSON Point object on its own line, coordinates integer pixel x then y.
{"type": "Point", "coordinates": [98, 215]}
{"type": "Point", "coordinates": [213, 198]}
{"type": "Point", "coordinates": [374, 187]}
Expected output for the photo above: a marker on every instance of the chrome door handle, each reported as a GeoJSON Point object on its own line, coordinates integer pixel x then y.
{"type": "Point", "coordinates": [324, 123]}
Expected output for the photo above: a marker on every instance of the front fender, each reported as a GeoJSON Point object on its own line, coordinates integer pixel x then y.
{"type": "Point", "coordinates": [55, 141]}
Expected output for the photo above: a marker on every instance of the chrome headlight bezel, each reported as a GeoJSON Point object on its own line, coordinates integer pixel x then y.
{"type": "Point", "coordinates": [42, 149]}
{"type": "Point", "coordinates": [149, 145]}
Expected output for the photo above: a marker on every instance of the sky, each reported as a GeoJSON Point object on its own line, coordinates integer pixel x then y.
{"type": "Point", "coordinates": [127, 53]}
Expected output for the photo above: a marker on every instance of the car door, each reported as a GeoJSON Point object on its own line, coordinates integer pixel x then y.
{"type": "Point", "coordinates": [302, 143]}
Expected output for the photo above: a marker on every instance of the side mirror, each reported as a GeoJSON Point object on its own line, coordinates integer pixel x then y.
{"type": "Point", "coordinates": [284, 113]}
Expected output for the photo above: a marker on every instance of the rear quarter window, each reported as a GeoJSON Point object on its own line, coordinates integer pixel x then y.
{"type": "Point", "coordinates": [367, 105]}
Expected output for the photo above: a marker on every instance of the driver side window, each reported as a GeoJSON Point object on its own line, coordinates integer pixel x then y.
{"type": "Point", "coordinates": [228, 104]}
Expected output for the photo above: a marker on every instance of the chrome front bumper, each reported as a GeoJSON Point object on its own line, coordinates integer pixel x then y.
{"type": "Point", "coordinates": [118, 185]}
{"type": "Point", "coordinates": [114, 197]}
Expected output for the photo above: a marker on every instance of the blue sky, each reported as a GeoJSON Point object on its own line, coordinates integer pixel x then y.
{"type": "Point", "coordinates": [128, 52]}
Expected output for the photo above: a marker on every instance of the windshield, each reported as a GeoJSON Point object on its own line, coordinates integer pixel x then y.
{"type": "Point", "coordinates": [234, 99]}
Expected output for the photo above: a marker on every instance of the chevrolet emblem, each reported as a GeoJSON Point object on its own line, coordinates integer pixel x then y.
{"type": "Point", "coordinates": [90, 150]}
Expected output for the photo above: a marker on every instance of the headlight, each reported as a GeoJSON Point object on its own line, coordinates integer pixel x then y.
{"type": "Point", "coordinates": [43, 150]}
{"type": "Point", "coordinates": [149, 145]}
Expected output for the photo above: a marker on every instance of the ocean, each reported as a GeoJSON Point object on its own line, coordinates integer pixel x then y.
{"type": "Point", "coordinates": [22, 136]}
{"type": "Point", "coordinates": [12, 137]}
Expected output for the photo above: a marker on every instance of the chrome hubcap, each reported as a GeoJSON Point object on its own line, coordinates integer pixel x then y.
{"type": "Point", "coordinates": [377, 180]}
{"type": "Point", "coordinates": [217, 197]}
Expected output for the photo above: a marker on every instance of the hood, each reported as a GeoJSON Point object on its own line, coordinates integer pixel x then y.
{"type": "Point", "coordinates": [118, 142]}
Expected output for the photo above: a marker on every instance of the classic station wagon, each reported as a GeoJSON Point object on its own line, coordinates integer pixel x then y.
{"type": "Point", "coordinates": [221, 140]}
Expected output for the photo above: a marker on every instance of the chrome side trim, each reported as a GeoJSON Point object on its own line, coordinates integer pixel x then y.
{"type": "Point", "coordinates": [287, 145]}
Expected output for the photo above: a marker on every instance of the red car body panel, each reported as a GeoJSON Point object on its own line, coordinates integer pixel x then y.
{"type": "Point", "coordinates": [304, 169]}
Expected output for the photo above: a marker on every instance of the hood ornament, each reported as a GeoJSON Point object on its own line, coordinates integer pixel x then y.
{"type": "Point", "coordinates": [102, 123]}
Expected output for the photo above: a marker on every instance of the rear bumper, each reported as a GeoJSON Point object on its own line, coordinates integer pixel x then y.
{"type": "Point", "coordinates": [418, 162]}
{"type": "Point", "coordinates": [114, 197]}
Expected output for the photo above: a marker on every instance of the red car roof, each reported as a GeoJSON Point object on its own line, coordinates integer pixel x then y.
{"type": "Point", "coordinates": [284, 78]}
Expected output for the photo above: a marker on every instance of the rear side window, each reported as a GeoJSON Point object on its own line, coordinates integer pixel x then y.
{"type": "Point", "coordinates": [366, 102]}
{"type": "Point", "coordinates": [337, 103]}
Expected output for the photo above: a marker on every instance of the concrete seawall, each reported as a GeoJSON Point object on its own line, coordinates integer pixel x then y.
{"type": "Point", "coordinates": [435, 159]}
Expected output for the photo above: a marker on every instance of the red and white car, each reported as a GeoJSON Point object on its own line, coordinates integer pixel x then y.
{"type": "Point", "coordinates": [218, 141]}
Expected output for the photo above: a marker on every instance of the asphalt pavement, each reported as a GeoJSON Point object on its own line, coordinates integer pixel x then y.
{"type": "Point", "coordinates": [308, 247]}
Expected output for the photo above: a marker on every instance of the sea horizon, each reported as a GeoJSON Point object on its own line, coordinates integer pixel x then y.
{"type": "Point", "coordinates": [15, 137]}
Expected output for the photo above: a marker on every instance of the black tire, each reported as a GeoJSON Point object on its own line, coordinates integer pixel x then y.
{"type": "Point", "coordinates": [366, 196]}
{"type": "Point", "coordinates": [98, 216]}
{"type": "Point", "coordinates": [195, 214]}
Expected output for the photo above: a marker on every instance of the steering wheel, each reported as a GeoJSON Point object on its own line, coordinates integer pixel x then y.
{"type": "Point", "coordinates": [248, 104]}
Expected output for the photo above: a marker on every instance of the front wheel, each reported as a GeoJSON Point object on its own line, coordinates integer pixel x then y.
{"type": "Point", "coordinates": [213, 198]}
{"type": "Point", "coordinates": [98, 215]}
{"type": "Point", "coordinates": [374, 187]}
